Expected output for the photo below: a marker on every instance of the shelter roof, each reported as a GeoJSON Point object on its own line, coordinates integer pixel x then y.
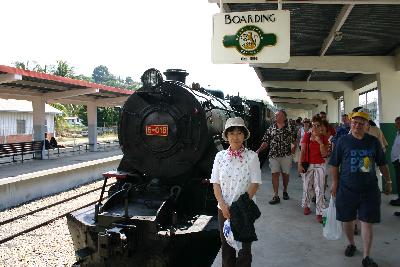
{"type": "Point", "coordinates": [23, 84]}
{"type": "Point", "coordinates": [12, 105]}
{"type": "Point", "coordinates": [329, 28]}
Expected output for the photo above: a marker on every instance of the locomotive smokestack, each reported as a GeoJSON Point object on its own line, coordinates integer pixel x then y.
{"type": "Point", "coordinates": [176, 75]}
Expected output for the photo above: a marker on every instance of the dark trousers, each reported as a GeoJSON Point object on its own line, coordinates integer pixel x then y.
{"type": "Point", "coordinates": [229, 258]}
{"type": "Point", "coordinates": [396, 165]}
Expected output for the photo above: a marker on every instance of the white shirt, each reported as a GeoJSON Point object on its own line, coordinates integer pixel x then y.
{"type": "Point", "coordinates": [395, 155]}
{"type": "Point", "coordinates": [234, 175]}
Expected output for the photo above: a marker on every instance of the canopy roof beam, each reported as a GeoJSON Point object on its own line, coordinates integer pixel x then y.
{"type": "Point", "coordinates": [70, 93]}
{"type": "Point", "coordinates": [9, 78]}
{"type": "Point", "coordinates": [340, 20]}
{"type": "Point", "coordinates": [347, 64]}
{"type": "Point", "coordinates": [318, 2]}
{"type": "Point", "coordinates": [331, 86]}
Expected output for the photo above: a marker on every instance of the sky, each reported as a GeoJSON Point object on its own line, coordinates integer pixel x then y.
{"type": "Point", "coordinates": [126, 36]}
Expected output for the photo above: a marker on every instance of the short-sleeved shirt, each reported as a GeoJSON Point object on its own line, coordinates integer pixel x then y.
{"type": "Point", "coordinates": [234, 175]}
{"type": "Point", "coordinates": [340, 131]}
{"type": "Point", "coordinates": [357, 158]}
{"type": "Point", "coordinates": [280, 140]}
{"type": "Point", "coordinates": [331, 131]}
{"type": "Point", "coordinates": [395, 153]}
{"type": "Point", "coordinates": [313, 151]}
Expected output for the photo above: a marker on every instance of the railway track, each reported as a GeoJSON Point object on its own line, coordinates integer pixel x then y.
{"type": "Point", "coordinates": [28, 221]}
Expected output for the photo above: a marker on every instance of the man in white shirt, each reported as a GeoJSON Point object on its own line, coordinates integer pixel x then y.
{"type": "Point", "coordinates": [395, 158]}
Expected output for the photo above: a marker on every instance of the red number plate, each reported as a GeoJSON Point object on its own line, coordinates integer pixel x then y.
{"type": "Point", "coordinates": [158, 130]}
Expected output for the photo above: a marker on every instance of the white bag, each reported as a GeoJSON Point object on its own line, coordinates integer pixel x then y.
{"type": "Point", "coordinates": [229, 237]}
{"type": "Point", "coordinates": [332, 228]}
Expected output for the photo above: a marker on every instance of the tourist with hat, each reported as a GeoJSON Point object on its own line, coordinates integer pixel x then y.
{"type": "Point", "coordinates": [236, 171]}
{"type": "Point", "coordinates": [355, 186]}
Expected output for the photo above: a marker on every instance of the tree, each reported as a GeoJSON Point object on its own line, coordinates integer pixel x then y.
{"type": "Point", "coordinates": [101, 74]}
{"type": "Point", "coordinates": [63, 69]}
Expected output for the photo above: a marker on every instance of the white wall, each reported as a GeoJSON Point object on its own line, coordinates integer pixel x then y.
{"type": "Point", "coordinates": [8, 122]}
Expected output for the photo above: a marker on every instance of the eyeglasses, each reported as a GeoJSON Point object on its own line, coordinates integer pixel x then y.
{"type": "Point", "coordinates": [316, 125]}
{"type": "Point", "coordinates": [306, 122]}
{"type": "Point", "coordinates": [358, 122]}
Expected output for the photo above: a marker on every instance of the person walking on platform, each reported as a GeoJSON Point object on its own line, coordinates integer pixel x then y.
{"type": "Point", "coordinates": [342, 129]}
{"type": "Point", "coordinates": [355, 186]}
{"type": "Point", "coordinates": [280, 138]}
{"type": "Point", "coordinates": [236, 171]}
{"type": "Point", "coordinates": [314, 147]}
{"type": "Point", "coordinates": [395, 159]}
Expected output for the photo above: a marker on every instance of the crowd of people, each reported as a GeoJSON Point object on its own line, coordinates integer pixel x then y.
{"type": "Point", "coordinates": [353, 153]}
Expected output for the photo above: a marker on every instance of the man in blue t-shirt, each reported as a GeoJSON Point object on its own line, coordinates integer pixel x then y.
{"type": "Point", "coordinates": [356, 185]}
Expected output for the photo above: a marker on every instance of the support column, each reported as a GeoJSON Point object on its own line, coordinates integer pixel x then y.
{"type": "Point", "coordinates": [333, 111]}
{"type": "Point", "coordinates": [39, 123]}
{"type": "Point", "coordinates": [92, 126]}
{"type": "Point", "coordinates": [350, 100]}
{"type": "Point", "coordinates": [389, 93]}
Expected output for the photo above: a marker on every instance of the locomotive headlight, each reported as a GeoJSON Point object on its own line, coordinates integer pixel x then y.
{"type": "Point", "coordinates": [151, 78]}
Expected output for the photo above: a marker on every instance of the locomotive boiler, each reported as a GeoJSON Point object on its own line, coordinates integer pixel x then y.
{"type": "Point", "coordinates": [161, 211]}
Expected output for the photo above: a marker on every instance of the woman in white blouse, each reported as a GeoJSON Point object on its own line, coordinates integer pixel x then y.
{"type": "Point", "coordinates": [236, 170]}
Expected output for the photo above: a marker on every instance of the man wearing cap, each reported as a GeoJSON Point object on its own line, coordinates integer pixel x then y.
{"type": "Point", "coordinates": [281, 139]}
{"type": "Point", "coordinates": [236, 171]}
{"type": "Point", "coordinates": [356, 186]}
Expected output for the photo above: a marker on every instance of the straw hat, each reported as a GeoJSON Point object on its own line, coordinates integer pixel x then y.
{"type": "Point", "coordinates": [235, 122]}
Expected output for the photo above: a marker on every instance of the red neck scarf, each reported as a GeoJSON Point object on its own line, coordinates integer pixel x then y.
{"type": "Point", "coordinates": [236, 153]}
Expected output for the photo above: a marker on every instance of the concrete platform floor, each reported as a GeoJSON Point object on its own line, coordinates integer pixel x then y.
{"type": "Point", "coordinates": [34, 165]}
{"type": "Point", "coordinates": [287, 238]}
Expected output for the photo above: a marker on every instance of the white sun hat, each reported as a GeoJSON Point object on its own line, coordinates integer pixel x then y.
{"type": "Point", "coordinates": [235, 122]}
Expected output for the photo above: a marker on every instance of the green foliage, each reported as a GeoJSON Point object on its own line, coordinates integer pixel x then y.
{"type": "Point", "coordinates": [63, 69]}
{"type": "Point", "coordinates": [101, 74]}
{"type": "Point", "coordinates": [107, 116]}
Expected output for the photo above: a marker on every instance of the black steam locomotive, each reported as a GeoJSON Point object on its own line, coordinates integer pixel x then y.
{"type": "Point", "coordinates": [161, 211]}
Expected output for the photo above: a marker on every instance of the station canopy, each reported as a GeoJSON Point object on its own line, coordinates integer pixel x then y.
{"type": "Point", "coordinates": [322, 29]}
{"type": "Point", "coordinates": [24, 85]}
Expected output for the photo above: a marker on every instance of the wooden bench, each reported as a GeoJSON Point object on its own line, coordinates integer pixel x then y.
{"type": "Point", "coordinates": [21, 149]}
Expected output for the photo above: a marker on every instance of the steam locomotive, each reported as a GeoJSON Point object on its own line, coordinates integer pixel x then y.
{"type": "Point", "coordinates": [162, 211]}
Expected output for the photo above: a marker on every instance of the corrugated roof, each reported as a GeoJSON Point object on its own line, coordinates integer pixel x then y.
{"type": "Point", "coordinates": [12, 105]}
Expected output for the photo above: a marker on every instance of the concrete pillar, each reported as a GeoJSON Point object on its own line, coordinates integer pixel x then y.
{"type": "Point", "coordinates": [39, 123]}
{"type": "Point", "coordinates": [350, 100]}
{"type": "Point", "coordinates": [333, 110]}
{"type": "Point", "coordinates": [389, 95]}
{"type": "Point", "coordinates": [92, 126]}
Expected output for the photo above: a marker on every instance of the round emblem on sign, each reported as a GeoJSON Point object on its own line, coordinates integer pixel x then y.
{"type": "Point", "coordinates": [250, 39]}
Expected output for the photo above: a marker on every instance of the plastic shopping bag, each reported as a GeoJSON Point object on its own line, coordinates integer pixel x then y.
{"type": "Point", "coordinates": [332, 228]}
{"type": "Point", "coordinates": [229, 236]}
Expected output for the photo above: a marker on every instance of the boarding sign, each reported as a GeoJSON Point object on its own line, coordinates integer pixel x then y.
{"type": "Point", "coordinates": [251, 37]}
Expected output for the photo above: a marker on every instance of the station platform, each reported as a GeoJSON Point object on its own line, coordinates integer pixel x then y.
{"type": "Point", "coordinates": [32, 179]}
{"type": "Point", "coordinates": [287, 238]}
{"type": "Point", "coordinates": [35, 165]}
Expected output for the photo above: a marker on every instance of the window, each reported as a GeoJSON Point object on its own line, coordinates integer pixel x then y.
{"type": "Point", "coordinates": [341, 107]}
{"type": "Point", "coordinates": [369, 100]}
{"type": "Point", "coordinates": [20, 126]}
